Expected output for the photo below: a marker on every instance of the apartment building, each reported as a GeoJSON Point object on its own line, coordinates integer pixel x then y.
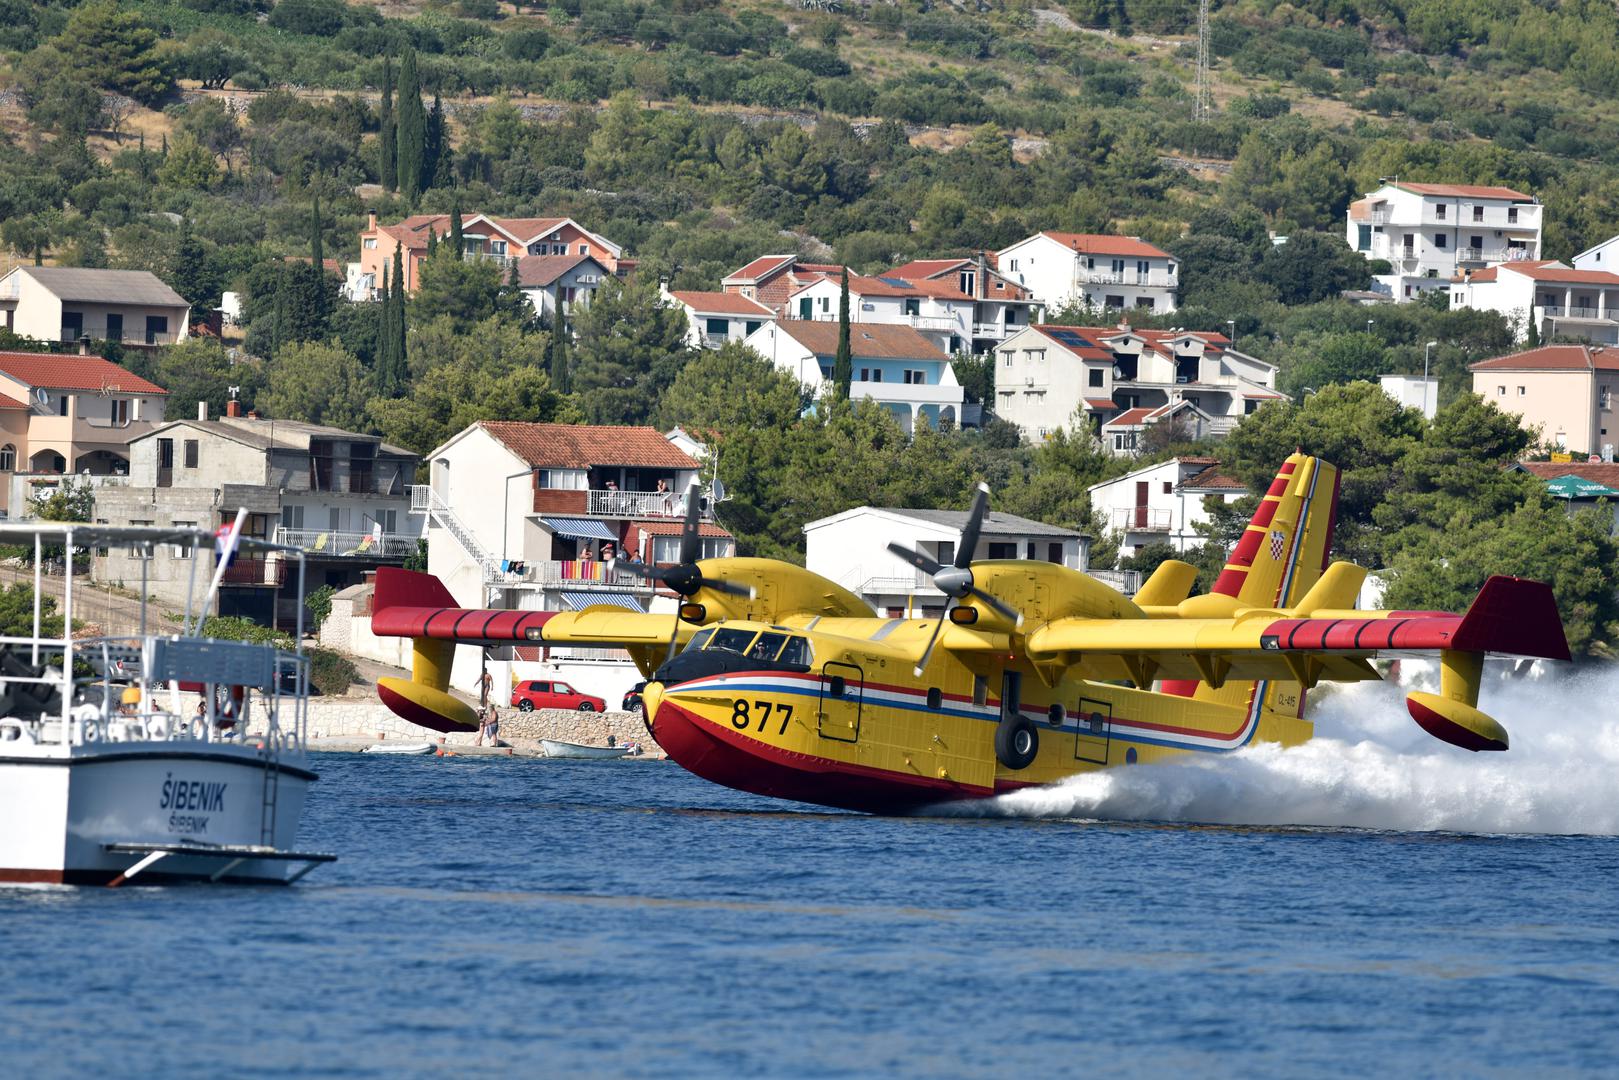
{"type": "Point", "coordinates": [1565, 392]}
{"type": "Point", "coordinates": [714, 318]}
{"type": "Point", "coordinates": [1557, 300]}
{"type": "Point", "coordinates": [68, 415]}
{"type": "Point", "coordinates": [1163, 503]}
{"type": "Point", "coordinates": [341, 496]}
{"type": "Point", "coordinates": [62, 303]}
{"type": "Point", "coordinates": [1001, 307]}
{"type": "Point", "coordinates": [501, 240]}
{"type": "Point", "coordinates": [1116, 381]}
{"type": "Point", "coordinates": [895, 366]}
{"type": "Point", "coordinates": [772, 279]}
{"type": "Point", "coordinates": [1118, 273]}
{"type": "Point", "coordinates": [1432, 233]}
{"type": "Point", "coordinates": [560, 282]}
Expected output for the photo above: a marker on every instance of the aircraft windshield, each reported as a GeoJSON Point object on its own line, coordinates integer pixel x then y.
{"type": "Point", "coordinates": [699, 639]}
{"type": "Point", "coordinates": [732, 640]}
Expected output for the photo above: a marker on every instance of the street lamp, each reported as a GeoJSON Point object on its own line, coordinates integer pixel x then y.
{"type": "Point", "coordinates": [1427, 351]}
{"type": "Point", "coordinates": [1369, 325]}
{"type": "Point", "coordinates": [1231, 324]}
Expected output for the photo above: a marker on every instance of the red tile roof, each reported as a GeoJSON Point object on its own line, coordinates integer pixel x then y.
{"type": "Point", "coordinates": [1100, 244]}
{"type": "Point", "coordinates": [1100, 403]}
{"type": "Point", "coordinates": [1130, 418]}
{"type": "Point", "coordinates": [55, 372]}
{"type": "Point", "coordinates": [1554, 358]}
{"type": "Point", "coordinates": [1545, 271]}
{"type": "Point", "coordinates": [541, 270]}
{"type": "Point", "coordinates": [926, 268]}
{"type": "Point", "coordinates": [722, 303]}
{"type": "Point", "coordinates": [761, 268]}
{"type": "Point", "coordinates": [580, 446]}
{"type": "Point", "coordinates": [1600, 473]}
{"type": "Point", "coordinates": [673, 528]}
{"type": "Point", "coordinates": [1160, 340]}
{"type": "Point", "coordinates": [867, 341]}
{"type": "Point", "coordinates": [1212, 479]}
{"type": "Point", "coordinates": [10, 403]}
{"type": "Point", "coordinates": [1465, 191]}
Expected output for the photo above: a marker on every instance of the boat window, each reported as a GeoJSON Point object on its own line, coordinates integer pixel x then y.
{"type": "Point", "coordinates": [732, 640]}
{"type": "Point", "coordinates": [767, 646]}
{"type": "Point", "coordinates": [699, 639]}
{"type": "Point", "coordinates": [796, 651]}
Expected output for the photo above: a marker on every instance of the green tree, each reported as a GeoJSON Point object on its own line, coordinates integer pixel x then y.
{"type": "Point", "coordinates": [466, 291]}
{"type": "Point", "coordinates": [629, 346]}
{"type": "Point", "coordinates": [113, 49]}
{"type": "Point", "coordinates": [69, 501]}
{"type": "Point", "coordinates": [194, 274]}
{"type": "Point", "coordinates": [729, 390]}
{"type": "Point", "coordinates": [189, 164]}
{"type": "Point", "coordinates": [318, 382]}
{"type": "Point", "coordinates": [198, 369]}
{"type": "Point", "coordinates": [1334, 358]}
{"type": "Point", "coordinates": [433, 148]}
{"type": "Point", "coordinates": [412, 129]}
{"type": "Point", "coordinates": [458, 244]}
{"type": "Point", "coordinates": [388, 138]}
{"type": "Point", "coordinates": [1312, 267]}
{"type": "Point", "coordinates": [843, 363]}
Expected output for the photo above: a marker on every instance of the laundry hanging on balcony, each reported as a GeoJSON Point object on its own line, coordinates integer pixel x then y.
{"type": "Point", "coordinates": [579, 528]}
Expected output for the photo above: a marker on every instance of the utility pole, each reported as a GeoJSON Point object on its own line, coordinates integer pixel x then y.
{"type": "Point", "coordinates": [1203, 99]}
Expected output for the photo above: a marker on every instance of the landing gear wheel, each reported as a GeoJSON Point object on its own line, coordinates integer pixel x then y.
{"type": "Point", "coordinates": [1017, 742]}
{"type": "Point", "coordinates": [525, 705]}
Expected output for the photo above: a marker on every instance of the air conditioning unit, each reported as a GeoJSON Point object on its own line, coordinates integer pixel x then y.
{"type": "Point", "coordinates": [1028, 380]}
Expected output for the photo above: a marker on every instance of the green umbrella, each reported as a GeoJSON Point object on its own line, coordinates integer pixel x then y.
{"type": "Point", "coordinates": [1574, 487]}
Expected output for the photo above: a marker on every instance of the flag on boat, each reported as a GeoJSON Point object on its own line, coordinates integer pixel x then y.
{"type": "Point", "coordinates": [225, 542]}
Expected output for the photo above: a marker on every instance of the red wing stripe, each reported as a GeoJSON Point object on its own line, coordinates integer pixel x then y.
{"type": "Point", "coordinates": [427, 624]}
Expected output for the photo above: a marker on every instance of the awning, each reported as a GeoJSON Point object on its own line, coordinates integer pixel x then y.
{"type": "Point", "coordinates": [578, 601]}
{"type": "Point", "coordinates": [1574, 487]}
{"type": "Point", "coordinates": [579, 528]}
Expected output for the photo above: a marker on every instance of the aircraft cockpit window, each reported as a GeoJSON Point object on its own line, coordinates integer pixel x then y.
{"type": "Point", "coordinates": [796, 651]}
{"type": "Point", "coordinates": [699, 639]}
{"type": "Point", "coordinates": [732, 640]}
{"type": "Point", "coordinates": [766, 646]}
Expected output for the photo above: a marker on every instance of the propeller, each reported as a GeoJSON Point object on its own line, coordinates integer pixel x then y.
{"type": "Point", "coordinates": [956, 580]}
{"type": "Point", "coordinates": [684, 578]}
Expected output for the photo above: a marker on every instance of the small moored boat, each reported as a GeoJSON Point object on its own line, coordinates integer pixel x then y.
{"type": "Point", "coordinates": [400, 748]}
{"type": "Point", "coordinates": [557, 749]}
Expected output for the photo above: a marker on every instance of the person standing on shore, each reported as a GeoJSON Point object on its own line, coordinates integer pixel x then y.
{"type": "Point", "coordinates": [485, 683]}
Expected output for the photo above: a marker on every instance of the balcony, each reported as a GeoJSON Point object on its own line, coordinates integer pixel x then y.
{"type": "Point", "coordinates": [715, 341]}
{"type": "Point", "coordinates": [635, 504]}
{"type": "Point", "coordinates": [936, 323]}
{"type": "Point", "coordinates": [271, 572]}
{"type": "Point", "coordinates": [585, 574]}
{"type": "Point", "coordinates": [993, 331]}
{"type": "Point", "coordinates": [325, 542]}
{"type": "Point", "coordinates": [1136, 519]}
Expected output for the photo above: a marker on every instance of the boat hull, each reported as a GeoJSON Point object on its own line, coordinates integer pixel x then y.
{"type": "Point", "coordinates": [556, 749]}
{"type": "Point", "coordinates": [66, 807]}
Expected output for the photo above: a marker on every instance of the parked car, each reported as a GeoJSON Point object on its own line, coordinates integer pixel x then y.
{"type": "Point", "coordinates": [632, 697]}
{"type": "Point", "coordinates": [532, 694]}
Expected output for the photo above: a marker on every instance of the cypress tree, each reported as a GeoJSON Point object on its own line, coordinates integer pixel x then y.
{"type": "Point", "coordinates": [412, 129]}
{"type": "Point", "coordinates": [315, 291]}
{"type": "Point", "coordinates": [385, 363]}
{"type": "Point", "coordinates": [457, 246]}
{"type": "Point", "coordinates": [843, 366]}
{"type": "Point", "coordinates": [432, 242]}
{"type": "Point", "coordinates": [400, 359]}
{"type": "Point", "coordinates": [388, 151]}
{"type": "Point", "coordinates": [559, 346]}
{"type": "Point", "coordinates": [435, 143]}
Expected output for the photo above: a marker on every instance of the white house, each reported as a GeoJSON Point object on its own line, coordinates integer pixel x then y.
{"type": "Point", "coordinates": [851, 549]}
{"type": "Point", "coordinates": [1001, 307]}
{"type": "Point", "coordinates": [62, 303]}
{"type": "Point", "coordinates": [894, 365]}
{"type": "Point", "coordinates": [569, 279]}
{"type": "Point", "coordinates": [1413, 391]}
{"type": "Point", "coordinates": [937, 310]}
{"type": "Point", "coordinates": [1558, 300]}
{"type": "Point", "coordinates": [1432, 233]}
{"type": "Point", "coordinates": [1603, 256]}
{"type": "Point", "coordinates": [1051, 377]}
{"type": "Point", "coordinates": [1117, 272]}
{"type": "Point", "coordinates": [1163, 503]}
{"type": "Point", "coordinates": [714, 318]}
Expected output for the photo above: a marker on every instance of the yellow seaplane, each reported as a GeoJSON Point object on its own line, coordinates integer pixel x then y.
{"type": "Point", "coordinates": [774, 680]}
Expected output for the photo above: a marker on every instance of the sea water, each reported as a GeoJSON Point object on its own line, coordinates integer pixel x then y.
{"type": "Point", "coordinates": [1373, 903]}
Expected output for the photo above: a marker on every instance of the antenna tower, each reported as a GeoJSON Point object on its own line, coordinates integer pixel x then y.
{"type": "Point", "coordinates": [1203, 102]}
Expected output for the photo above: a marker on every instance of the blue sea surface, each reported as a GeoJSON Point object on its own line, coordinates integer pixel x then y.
{"type": "Point", "coordinates": [531, 917]}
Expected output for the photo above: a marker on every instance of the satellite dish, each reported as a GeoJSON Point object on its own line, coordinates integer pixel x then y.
{"type": "Point", "coordinates": [718, 491]}
{"type": "Point", "coordinates": [41, 396]}
{"type": "Point", "coordinates": [234, 390]}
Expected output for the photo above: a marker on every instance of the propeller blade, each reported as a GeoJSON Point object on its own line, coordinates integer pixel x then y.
{"type": "Point", "coordinates": [975, 523]}
{"type": "Point", "coordinates": [641, 570]}
{"type": "Point", "coordinates": [674, 633]}
{"type": "Point", "coordinates": [927, 653]}
{"type": "Point", "coordinates": [916, 559]}
{"type": "Point", "coordinates": [691, 545]}
{"type": "Point", "coordinates": [730, 588]}
{"type": "Point", "coordinates": [1000, 607]}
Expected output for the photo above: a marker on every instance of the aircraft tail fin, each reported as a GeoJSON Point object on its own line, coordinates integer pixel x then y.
{"type": "Point", "coordinates": [1276, 564]}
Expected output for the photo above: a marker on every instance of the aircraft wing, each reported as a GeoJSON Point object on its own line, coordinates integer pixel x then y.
{"type": "Point", "coordinates": [1511, 616]}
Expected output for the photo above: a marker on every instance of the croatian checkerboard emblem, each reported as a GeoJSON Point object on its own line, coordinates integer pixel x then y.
{"type": "Point", "coordinates": [1278, 541]}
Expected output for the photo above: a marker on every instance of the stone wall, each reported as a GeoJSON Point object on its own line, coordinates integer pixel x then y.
{"type": "Point", "coordinates": [587, 728]}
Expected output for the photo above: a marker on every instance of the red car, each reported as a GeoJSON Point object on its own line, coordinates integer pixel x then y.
{"type": "Point", "coordinates": [532, 694]}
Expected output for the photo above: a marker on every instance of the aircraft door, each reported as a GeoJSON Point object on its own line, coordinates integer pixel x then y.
{"type": "Point", "coordinates": [1095, 720]}
{"type": "Point", "coordinates": [839, 714]}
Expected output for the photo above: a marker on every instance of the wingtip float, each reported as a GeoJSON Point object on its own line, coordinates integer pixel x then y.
{"type": "Point", "coordinates": [774, 680]}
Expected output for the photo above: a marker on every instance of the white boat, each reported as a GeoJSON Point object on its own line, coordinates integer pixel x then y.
{"type": "Point", "coordinates": [107, 779]}
{"type": "Point", "coordinates": [557, 749]}
{"type": "Point", "coordinates": [400, 748]}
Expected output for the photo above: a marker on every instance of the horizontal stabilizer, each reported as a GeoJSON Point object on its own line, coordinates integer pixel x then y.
{"type": "Point", "coordinates": [1169, 585]}
{"type": "Point", "coordinates": [1337, 588]}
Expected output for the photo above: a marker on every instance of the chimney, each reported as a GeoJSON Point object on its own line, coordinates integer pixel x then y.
{"type": "Point", "coordinates": [202, 410]}
{"type": "Point", "coordinates": [233, 408]}
{"type": "Point", "coordinates": [982, 277]}
{"type": "Point", "coordinates": [371, 220]}
{"type": "Point", "coordinates": [84, 345]}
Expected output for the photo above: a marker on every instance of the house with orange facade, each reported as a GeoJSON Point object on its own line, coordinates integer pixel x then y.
{"type": "Point", "coordinates": [500, 240]}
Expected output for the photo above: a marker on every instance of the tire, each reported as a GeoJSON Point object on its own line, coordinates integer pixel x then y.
{"type": "Point", "coordinates": [585, 706]}
{"type": "Point", "coordinates": [1017, 742]}
{"type": "Point", "coordinates": [525, 705]}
